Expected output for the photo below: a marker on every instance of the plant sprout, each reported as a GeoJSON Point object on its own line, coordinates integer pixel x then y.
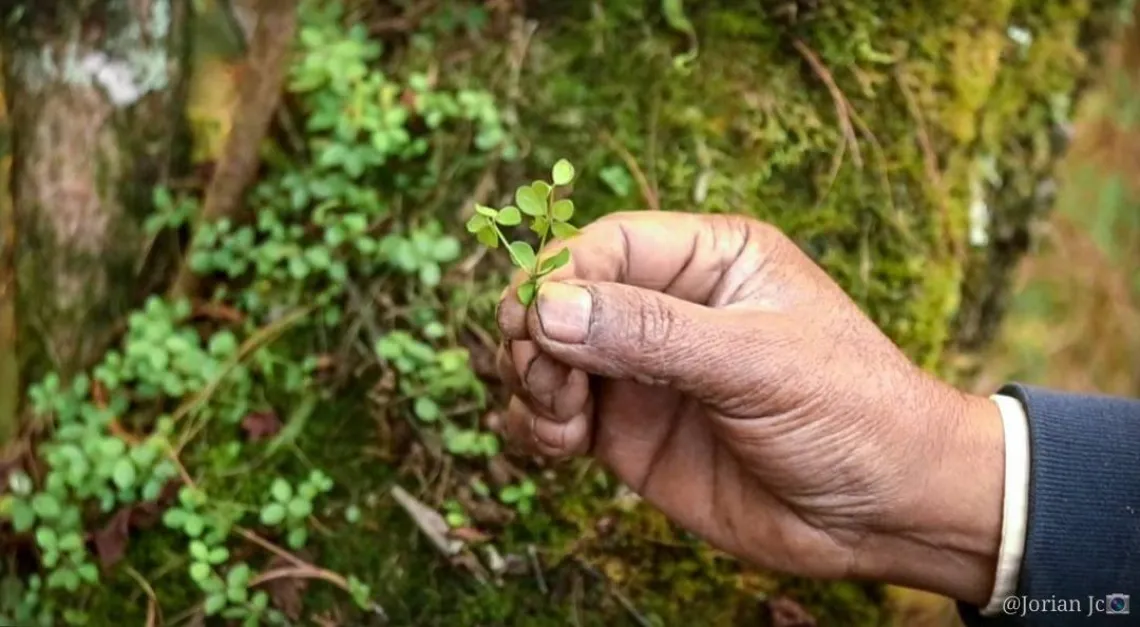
{"type": "Point", "coordinates": [547, 214]}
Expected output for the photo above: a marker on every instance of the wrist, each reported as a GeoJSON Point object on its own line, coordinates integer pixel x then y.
{"type": "Point", "coordinates": [944, 535]}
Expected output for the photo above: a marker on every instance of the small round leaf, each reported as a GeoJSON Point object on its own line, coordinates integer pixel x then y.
{"type": "Point", "coordinates": [563, 173]}
{"type": "Point", "coordinates": [563, 210]}
{"type": "Point", "coordinates": [523, 254]}
{"type": "Point", "coordinates": [510, 216]}
{"type": "Point", "coordinates": [272, 514]}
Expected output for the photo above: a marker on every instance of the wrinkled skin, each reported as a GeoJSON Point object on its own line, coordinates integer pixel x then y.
{"type": "Point", "coordinates": [721, 374]}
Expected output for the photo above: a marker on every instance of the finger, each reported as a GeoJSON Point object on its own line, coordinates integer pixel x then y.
{"type": "Point", "coordinates": [553, 387]}
{"type": "Point", "coordinates": [518, 427]}
{"type": "Point", "coordinates": [624, 332]}
{"type": "Point", "coordinates": [531, 432]}
{"type": "Point", "coordinates": [698, 258]}
{"type": "Point", "coordinates": [563, 438]}
{"type": "Point", "coordinates": [505, 364]}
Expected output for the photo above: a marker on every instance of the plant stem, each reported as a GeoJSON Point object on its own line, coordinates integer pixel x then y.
{"type": "Point", "coordinates": [503, 239]}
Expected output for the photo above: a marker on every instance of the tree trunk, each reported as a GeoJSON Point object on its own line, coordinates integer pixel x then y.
{"type": "Point", "coordinates": [94, 88]}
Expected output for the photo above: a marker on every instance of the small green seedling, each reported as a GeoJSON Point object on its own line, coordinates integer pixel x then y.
{"type": "Point", "coordinates": [520, 496]}
{"type": "Point", "coordinates": [547, 215]}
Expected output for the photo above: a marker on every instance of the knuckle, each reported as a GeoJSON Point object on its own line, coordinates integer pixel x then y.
{"type": "Point", "coordinates": [653, 327]}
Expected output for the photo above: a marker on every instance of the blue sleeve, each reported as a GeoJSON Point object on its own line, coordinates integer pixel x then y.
{"type": "Point", "coordinates": [1083, 535]}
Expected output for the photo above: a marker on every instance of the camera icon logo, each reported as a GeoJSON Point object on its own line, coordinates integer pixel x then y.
{"type": "Point", "coordinates": [1116, 604]}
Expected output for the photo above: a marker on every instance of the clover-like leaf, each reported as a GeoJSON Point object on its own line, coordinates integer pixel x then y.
{"type": "Point", "coordinates": [426, 409]}
{"type": "Point", "coordinates": [199, 571]}
{"type": "Point", "coordinates": [530, 202]}
{"type": "Point", "coordinates": [510, 216]}
{"type": "Point", "coordinates": [272, 514]}
{"type": "Point", "coordinates": [541, 189]}
{"type": "Point", "coordinates": [562, 210]}
{"type": "Point", "coordinates": [488, 238]}
{"type": "Point", "coordinates": [477, 223]}
{"type": "Point", "coordinates": [46, 506]}
{"type": "Point", "coordinates": [556, 261]}
{"type": "Point", "coordinates": [281, 490]}
{"type": "Point", "coordinates": [540, 226]}
{"type": "Point", "coordinates": [124, 474]}
{"type": "Point", "coordinates": [484, 210]}
{"type": "Point", "coordinates": [523, 254]}
{"type": "Point", "coordinates": [563, 173]}
{"type": "Point", "coordinates": [563, 230]}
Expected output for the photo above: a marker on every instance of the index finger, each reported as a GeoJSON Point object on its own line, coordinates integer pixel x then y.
{"type": "Point", "coordinates": [685, 255]}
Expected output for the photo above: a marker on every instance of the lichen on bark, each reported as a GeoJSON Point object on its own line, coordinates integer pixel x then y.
{"type": "Point", "coordinates": [94, 90]}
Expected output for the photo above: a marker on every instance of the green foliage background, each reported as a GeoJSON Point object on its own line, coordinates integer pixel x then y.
{"type": "Point", "coordinates": [902, 144]}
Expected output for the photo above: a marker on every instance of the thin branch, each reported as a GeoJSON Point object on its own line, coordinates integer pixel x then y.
{"type": "Point", "coordinates": [152, 608]}
{"type": "Point", "coordinates": [262, 81]}
{"type": "Point", "coordinates": [842, 107]}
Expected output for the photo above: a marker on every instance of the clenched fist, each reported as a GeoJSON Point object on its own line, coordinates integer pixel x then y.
{"type": "Point", "coordinates": [721, 374]}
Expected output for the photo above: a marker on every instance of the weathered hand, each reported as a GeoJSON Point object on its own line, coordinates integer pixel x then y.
{"type": "Point", "coordinates": [721, 374]}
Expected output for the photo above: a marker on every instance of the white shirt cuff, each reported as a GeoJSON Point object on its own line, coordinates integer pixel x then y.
{"type": "Point", "coordinates": [1015, 509]}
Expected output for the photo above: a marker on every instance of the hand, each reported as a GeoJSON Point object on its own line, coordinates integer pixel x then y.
{"type": "Point", "coordinates": [721, 374]}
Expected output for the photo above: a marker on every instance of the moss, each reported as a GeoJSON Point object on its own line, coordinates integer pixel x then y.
{"type": "Point", "coordinates": [937, 90]}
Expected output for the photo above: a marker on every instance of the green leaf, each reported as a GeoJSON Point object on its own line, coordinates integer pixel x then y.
{"type": "Point", "coordinates": [484, 210]}
{"type": "Point", "coordinates": [272, 514]}
{"type": "Point", "coordinates": [46, 538]}
{"type": "Point", "coordinates": [124, 474]}
{"type": "Point", "coordinates": [238, 576]}
{"type": "Point", "coordinates": [523, 255]}
{"type": "Point", "coordinates": [430, 274]}
{"type": "Point", "coordinates": [218, 555]}
{"type": "Point", "coordinates": [542, 190]}
{"type": "Point", "coordinates": [563, 230]}
{"type": "Point", "coordinates": [541, 226]}
{"type": "Point", "coordinates": [558, 260]}
{"type": "Point", "coordinates": [562, 210]}
{"type": "Point", "coordinates": [426, 409]}
{"type": "Point", "coordinates": [89, 573]}
{"type": "Point", "coordinates": [175, 518]}
{"type": "Point", "coordinates": [297, 538]}
{"type": "Point", "coordinates": [22, 515]}
{"type": "Point", "coordinates": [510, 216]}
{"type": "Point", "coordinates": [281, 490]}
{"type": "Point", "coordinates": [446, 249]}
{"type": "Point", "coordinates": [199, 571]}
{"type": "Point", "coordinates": [563, 173]}
{"type": "Point", "coordinates": [488, 238]}
{"type": "Point", "coordinates": [194, 526]}
{"type": "Point", "coordinates": [46, 506]}
{"type": "Point", "coordinates": [526, 293]}
{"type": "Point", "coordinates": [71, 542]}
{"type": "Point", "coordinates": [300, 508]}
{"type": "Point", "coordinates": [477, 223]}
{"type": "Point", "coordinates": [530, 202]}
{"type": "Point", "coordinates": [214, 603]}
{"type": "Point", "coordinates": [199, 551]}
{"type": "Point", "coordinates": [352, 514]}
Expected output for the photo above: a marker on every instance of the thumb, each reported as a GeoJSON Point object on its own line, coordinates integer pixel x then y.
{"type": "Point", "coordinates": [625, 332]}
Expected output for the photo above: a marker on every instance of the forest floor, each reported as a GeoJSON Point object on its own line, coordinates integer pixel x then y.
{"type": "Point", "coordinates": [377, 375]}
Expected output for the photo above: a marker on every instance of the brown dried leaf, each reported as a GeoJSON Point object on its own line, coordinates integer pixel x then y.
{"type": "Point", "coordinates": [287, 593]}
{"type": "Point", "coordinates": [261, 425]}
{"type": "Point", "coordinates": [787, 613]}
{"type": "Point", "coordinates": [111, 540]}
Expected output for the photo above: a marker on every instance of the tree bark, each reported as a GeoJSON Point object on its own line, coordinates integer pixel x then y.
{"type": "Point", "coordinates": [94, 88]}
